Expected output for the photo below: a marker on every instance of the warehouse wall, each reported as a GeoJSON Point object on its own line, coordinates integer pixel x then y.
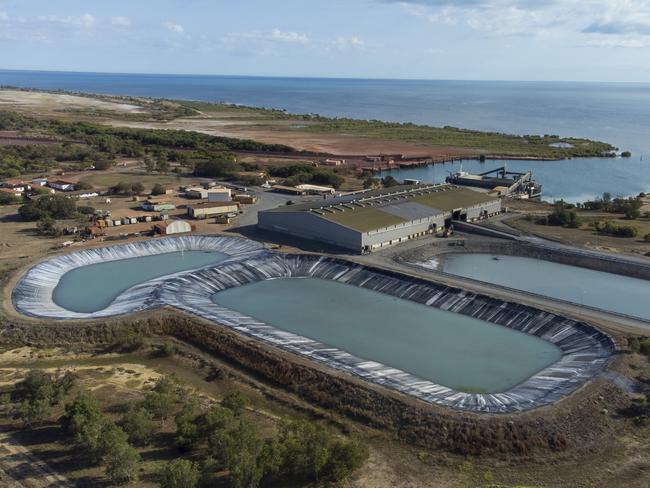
{"type": "Point", "coordinates": [402, 231]}
{"type": "Point", "coordinates": [309, 226]}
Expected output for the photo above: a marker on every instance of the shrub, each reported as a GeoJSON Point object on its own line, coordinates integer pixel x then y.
{"type": "Point", "coordinates": [48, 227]}
{"type": "Point", "coordinates": [158, 189]}
{"type": "Point", "coordinates": [139, 424]}
{"type": "Point", "coordinates": [644, 346]}
{"type": "Point", "coordinates": [122, 464]}
{"type": "Point", "coordinates": [647, 237]}
{"type": "Point", "coordinates": [180, 473]}
{"type": "Point", "coordinates": [616, 230]}
{"type": "Point", "coordinates": [49, 207]}
{"type": "Point", "coordinates": [161, 399]}
{"type": "Point", "coordinates": [9, 199]}
{"type": "Point", "coordinates": [235, 402]}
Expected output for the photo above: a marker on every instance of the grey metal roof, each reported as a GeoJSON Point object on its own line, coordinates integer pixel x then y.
{"type": "Point", "coordinates": [410, 210]}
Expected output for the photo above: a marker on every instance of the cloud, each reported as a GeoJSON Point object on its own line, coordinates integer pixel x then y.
{"type": "Point", "coordinates": [174, 27]}
{"type": "Point", "coordinates": [291, 37]}
{"type": "Point", "coordinates": [273, 36]}
{"type": "Point", "coordinates": [86, 21]}
{"type": "Point", "coordinates": [626, 23]}
{"type": "Point", "coordinates": [346, 43]}
{"type": "Point", "coordinates": [4, 17]}
{"type": "Point", "coordinates": [120, 21]}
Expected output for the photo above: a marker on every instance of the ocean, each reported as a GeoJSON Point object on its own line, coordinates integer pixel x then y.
{"type": "Point", "coordinates": [618, 113]}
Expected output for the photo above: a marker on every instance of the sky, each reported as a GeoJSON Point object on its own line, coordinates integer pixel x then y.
{"type": "Point", "coordinates": [581, 40]}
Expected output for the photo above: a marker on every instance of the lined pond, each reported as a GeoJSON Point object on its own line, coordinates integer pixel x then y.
{"type": "Point", "coordinates": [584, 286]}
{"type": "Point", "coordinates": [92, 288]}
{"type": "Point", "coordinates": [450, 349]}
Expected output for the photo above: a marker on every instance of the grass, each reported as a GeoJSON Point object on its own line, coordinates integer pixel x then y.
{"type": "Point", "coordinates": [493, 143]}
{"type": "Point", "coordinates": [262, 119]}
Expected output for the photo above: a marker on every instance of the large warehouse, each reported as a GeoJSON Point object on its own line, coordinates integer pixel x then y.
{"type": "Point", "coordinates": [369, 220]}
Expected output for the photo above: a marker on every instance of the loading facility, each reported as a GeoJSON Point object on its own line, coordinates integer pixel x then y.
{"type": "Point", "coordinates": [369, 220]}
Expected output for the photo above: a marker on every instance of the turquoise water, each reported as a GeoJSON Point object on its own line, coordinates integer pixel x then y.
{"type": "Point", "coordinates": [93, 287]}
{"type": "Point", "coordinates": [606, 291]}
{"type": "Point", "coordinates": [450, 349]}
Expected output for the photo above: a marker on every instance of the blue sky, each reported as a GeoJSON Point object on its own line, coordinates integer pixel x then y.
{"type": "Point", "coordinates": [607, 40]}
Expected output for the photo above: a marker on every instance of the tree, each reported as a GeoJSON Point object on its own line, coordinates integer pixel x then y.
{"type": "Point", "coordinates": [647, 237]}
{"type": "Point", "coordinates": [139, 424]}
{"type": "Point", "coordinates": [48, 227]}
{"type": "Point", "coordinates": [158, 189]}
{"type": "Point", "coordinates": [223, 165]}
{"type": "Point", "coordinates": [82, 185]}
{"type": "Point", "coordinates": [122, 464]}
{"type": "Point", "coordinates": [103, 164]}
{"type": "Point", "coordinates": [162, 398]}
{"type": "Point", "coordinates": [345, 457]}
{"type": "Point", "coordinates": [187, 430]}
{"type": "Point", "coordinates": [40, 392]}
{"type": "Point", "coordinates": [137, 188]}
{"type": "Point", "coordinates": [235, 402]}
{"type": "Point", "coordinates": [162, 166]}
{"type": "Point", "coordinates": [180, 473]}
{"type": "Point", "coordinates": [389, 181]}
{"type": "Point", "coordinates": [48, 206]}
{"type": "Point", "coordinates": [626, 154]}
{"type": "Point", "coordinates": [84, 422]}
{"type": "Point", "coordinates": [9, 199]}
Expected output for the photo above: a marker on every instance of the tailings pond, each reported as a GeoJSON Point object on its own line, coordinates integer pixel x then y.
{"type": "Point", "coordinates": [447, 348]}
{"type": "Point", "coordinates": [584, 286]}
{"type": "Point", "coordinates": [91, 288]}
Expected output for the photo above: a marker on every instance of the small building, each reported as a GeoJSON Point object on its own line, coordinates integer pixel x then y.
{"type": "Point", "coordinates": [154, 206]}
{"type": "Point", "coordinates": [211, 209]}
{"type": "Point", "coordinates": [244, 198]}
{"type": "Point", "coordinates": [291, 190]}
{"type": "Point", "coordinates": [82, 194]}
{"type": "Point", "coordinates": [334, 162]}
{"type": "Point", "coordinates": [39, 182]}
{"type": "Point", "coordinates": [173, 227]}
{"type": "Point", "coordinates": [196, 192]}
{"type": "Point", "coordinates": [18, 186]}
{"type": "Point", "coordinates": [61, 185]}
{"type": "Point", "coordinates": [316, 189]}
{"type": "Point", "coordinates": [220, 194]}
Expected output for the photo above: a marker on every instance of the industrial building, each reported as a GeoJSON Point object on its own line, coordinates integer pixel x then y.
{"type": "Point", "coordinates": [369, 220]}
{"type": "Point", "coordinates": [211, 209]}
{"type": "Point", "coordinates": [173, 227]}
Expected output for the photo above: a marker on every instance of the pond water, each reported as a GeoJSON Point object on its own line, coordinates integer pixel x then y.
{"type": "Point", "coordinates": [598, 289]}
{"type": "Point", "coordinates": [450, 349]}
{"type": "Point", "coordinates": [91, 288]}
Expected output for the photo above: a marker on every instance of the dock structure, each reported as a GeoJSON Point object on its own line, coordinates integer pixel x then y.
{"type": "Point", "coordinates": [500, 180]}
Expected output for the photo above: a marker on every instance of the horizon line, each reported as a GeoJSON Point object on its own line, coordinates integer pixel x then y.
{"type": "Point", "coordinates": [302, 77]}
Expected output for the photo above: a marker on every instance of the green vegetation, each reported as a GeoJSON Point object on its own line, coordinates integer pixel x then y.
{"type": "Point", "coordinates": [83, 145]}
{"type": "Point", "coordinates": [302, 450]}
{"type": "Point", "coordinates": [158, 189]}
{"type": "Point", "coordinates": [562, 215]}
{"type": "Point", "coordinates": [49, 207]}
{"type": "Point", "coordinates": [616, 230]}
{"type": "Point", "coordinates": [180, 473]}
{"type": "Point", "coordinates": [303, 173]}
{"type": "Point", "coordinates": [9, 199]}
{"type": "Point", "coordinates": [630, 207]}
{"type": "Point", "coordinates": [535, 146]}
{"type": "Point", "coordinates": [626, 154]}
{"type": "Point", "coordinates": [492, 142]}
{"type": "Point", "coordinates": [127, 189]}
